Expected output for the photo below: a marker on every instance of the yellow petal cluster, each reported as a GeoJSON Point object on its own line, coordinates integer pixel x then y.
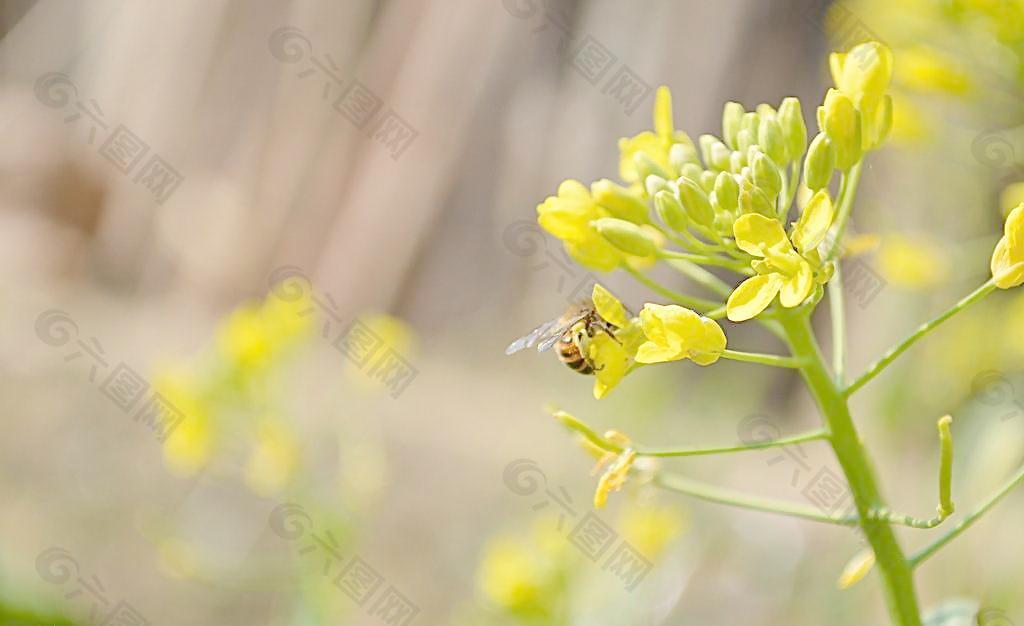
{"type": "Point", "coordinates": [1008, 257]}
{"type": "Point", "coordinates": [864, 74]}
{"type": "Point", "coordinates": [673, 333]}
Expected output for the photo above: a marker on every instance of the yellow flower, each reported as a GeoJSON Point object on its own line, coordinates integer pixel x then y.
{"type": "Point", "coordinates": [864, 74]}
{"type": "Point", "coordinates": [273, 459]}
{"type": "Point", "coordinates": [568, 216]}
{"type": "Point", "coordinates": [612, 355]}
{"type": "Point", "coordinates": [673, 332]}
{"type": "Point", "coordinates": [614, 478]}
{"type": "Point", "coordinates": [519, 574]}
{"type": "Point", "coordinates": [1008, 257]}
{"type": "Point", "coordinates": [190, 445]}
{"type": "Point", "coordinates": [253, 335]}
{"type": "Point", "coordinates": [655, 146]}
{"type": "Point", "coordinates": [912, 263]}
{"type": "Point", "coordinates": [1010, 197]}
{"type": "Point", "coordinates": [650, 529]}
{"type": "Point", "coordinates": [922, 69]}
{"type": "Point", "coordinates": [786, 266]}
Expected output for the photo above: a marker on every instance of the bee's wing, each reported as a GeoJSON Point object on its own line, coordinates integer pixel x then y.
{"type": "Point", "coordinates": [531, 337]}
{"type": "Point", "coordinates": [552, 336]}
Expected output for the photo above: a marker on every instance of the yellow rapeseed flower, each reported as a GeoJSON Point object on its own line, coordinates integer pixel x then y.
{"type": "Point", "coordinates": [1008, 257]}
{"type": "Point", "coordinates": [254, 335]}
{"type": "Point", "coordinates": [655, 147]}
{"type": "Point", "coordinates": [611, 355]}
{"type": "Point", "coordinates": [190, 445]}
{"type": "Point", "coordinates": [568, 216]}
{"type": "Point", "coordinates": [650, 529]}
{"type": "Point", "coordinates": [673, 332]}
{"type": "Point", "coordinates": [786, 266]}
{"type": "Point", "coordinates": [912, 263]}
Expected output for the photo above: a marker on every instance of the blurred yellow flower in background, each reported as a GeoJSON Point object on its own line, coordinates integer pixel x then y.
{"type": "Point", "coordinates": [273, 458]}
{"type": "Point", "coordinates": [380, 333]}
{"type": "Point", "coordinates": [519, 574]}
{"type": "Point", "coordinates": [914, 263]}
{"type": "Point", "coordinates": [651, 528]}
{"type": "Point", "coordinates": [190, 444]}
{"type": "Point", "coordinates": [254, 335]}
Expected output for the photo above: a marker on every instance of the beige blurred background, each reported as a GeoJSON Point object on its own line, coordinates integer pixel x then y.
{"type": "Point", "coordinates": [161, 162]}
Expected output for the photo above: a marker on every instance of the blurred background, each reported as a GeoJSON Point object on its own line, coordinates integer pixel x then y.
{"type": "Point", "coordinates": [261, 260]}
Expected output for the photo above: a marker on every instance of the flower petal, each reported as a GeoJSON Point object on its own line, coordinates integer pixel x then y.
{"type": "Point", "coordinates": [798, 286]}
{"type": "Point", "coordinates": [609, 307]}
{"type": "Point", "coordinates": [1008, 257]}
{"type": "Point", "coordinates": [814, 222]}
{"type": "Point", "coordinates": [754, 230]}
{"type": "Point", "coordinates": [652, 352]}
{"type": "Point", "coordinates": [753, 296]}
{"type": "Point", "coordinates": [610, 363]}
{"type": "Point", "coordinates": [710, 344]}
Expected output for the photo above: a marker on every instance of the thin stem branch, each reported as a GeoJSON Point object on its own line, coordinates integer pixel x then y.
{"type": "Point", "coordinates": [847, 192]}
{"type": "Point", "coordinates": [700, 276]}
{"type": "Point", "coordinates": [699, 304]}
{"type": "Point", "coordinates": [679, 484]}
{"type": "Point", "coordinates": [967, 521]}
{"type": "Point", "coordinates": [701, 259]}
{"type": "Point", "coordinates": [764, 359]}
{"type": "Point", "coordinates": [609, 446]}
{"type": "Point", "coordinates": [876, 368]}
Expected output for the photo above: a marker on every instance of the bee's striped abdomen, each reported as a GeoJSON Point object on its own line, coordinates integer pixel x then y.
{"type": "Point", "coordinates": [569, 353]}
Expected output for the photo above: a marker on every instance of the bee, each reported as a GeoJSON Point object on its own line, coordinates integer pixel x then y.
{"type": "Point", "coordinates": [570, 332]}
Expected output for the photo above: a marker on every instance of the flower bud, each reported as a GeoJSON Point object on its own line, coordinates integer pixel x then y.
{"type": "Point", "coordinates": [791, 118]}
{"type": "Point", "coordinates": [707, 180]}
{"type": "Point", "coordinates": [720, 155]}
{"type": "Point", "coordinates": [754, 200]}
{"type": "Point", "coordinates": [766, 175]}
{"type": "Point", "coordinates": [645, 166]}
{"type": "Point", "coordinates": [877, 125]}
{"type": "Point", "coordinates": [727, 192]}
{"type": "Point", "coordinates": [841, 122]}
{"type": "Point", "coordinates": [732, 117]}
{"type": "Point", "coordinates": [771, 140]}
{"type": "Point", "coordinates": [663, 126]}
{"type": "Point", "coordinates": [626, 236]}
{"type": "Point", "coordinates": [819, 163]}
{"type": "Point", "coordinates": [737, 161]}
{"type": "Point", "coordinates": [706, 141]}
{"type": "Point", "coordinates": [750, 123]}
{"type": "Point", "coordinates": [696, 203]}
{"type": "Point", "coordinates": [670, 211]}
{"type": "Point", "coordinates": [653, 184]}
{"type": "Point", "coordinates": [765, 111]}
{"type": "Point", "coordinates": [863, 73]}
{"type": "Point", "coordinates": [691, 171]}
{"type": "Point", "coordinates": [682, 153]}
{"type": "Point", "coordinates": [619, 201]}
{"type": "Point", "coordinates": [744, 139]}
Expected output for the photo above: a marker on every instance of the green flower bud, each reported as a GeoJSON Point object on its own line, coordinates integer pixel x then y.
{"type": "Point", "coordinates": [696, 203]}
{"type": "Point", "coordinates": [626, 236]}
{"type": "Point", "coordinates": [645, 166]}
{"type": "Point", "coordinates": [682, 153]}
{"type": "Point", "coordinates": [652, 184]}
{"type": "Point", "coordinates": [765, 111]}
{"type": "Point", "coordinates": [771, 140]}
{"type": "Point", "coordinates": [754, 200]}
{"type": "Point", "coordinates": [766, 175]}
{"type": "Point", "coordinates": [691, 171]}
{"type": "Point", "coordinates": [750, 123]}
{"type": "Point", "coordinates": [841, 122]}
{"type": "Point", "coordinates": [791, 118]}
{"type": "Point", "coordinates": [706, 141]}
{"type": "Point", "coordinates": [732, 117]}
{"type": "Point", "coordinates": [727, 192]}
{"type": "Point", "coordinates": [619, 201]}
{"type": "Point", "coordinates": [820, 162]}
{"type": "Point", "coordinates": [745, 139]}
{"type": "Point", "coordinates": [670, 211]}
{"type": "Point", "coordinates": [720, 154]}
{"type": "Point", "coordinates": [737, 161]}
{"type": "Point", "coordinates": [707, 180]}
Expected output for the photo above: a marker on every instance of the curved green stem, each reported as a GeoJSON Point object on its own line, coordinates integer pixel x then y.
{"type": "Point", "coordinates": [609, 446]}
{"type": "Point", "coordinates": [896, 573]}
{"type": "Point", "coordinates": [887, 516]}
{"type": "Point", "coordinates": [764, 359]}
{"type": "Point", "coordinates": [698, 304]}
{"type": "Point", "coordinates": [679, 484]}
{"type": "Point", "coordinates": [701, 259]}
{"type": "Point", "coordinates": [847, 192]}
{"type": "Point", "coordinates": [876, 368]}
{"type": "Point", "coordinates": [700, 276]}
{"type": "Point", "coordinates": [967, 521]}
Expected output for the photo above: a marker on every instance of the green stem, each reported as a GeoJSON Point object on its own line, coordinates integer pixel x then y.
{"type": "Point", "coordinates": [847, 191]}
{"type": "Point", "coordinates": [967, 521]}
{"type": "Point", "coordinates": [884, 515]}
{"type": "Point", "coordinates": [609, 446]}
{"type": "Point", "coordinates": [698, 304]}
{"type": "Point", "coordinates": [764, 359]}
{"type": "Point", "coordinates": [700, 276]}
{"type": "Point", "coordinates": [876, 368]}
{"type": "Point", "coordinates": [701, 259]}
{"type": "Point", "coordinates": [896, 573]}
{"type": "Point", "coordinates": [837, 313]}
{"type": "Point", "coordinates": [679, 484]}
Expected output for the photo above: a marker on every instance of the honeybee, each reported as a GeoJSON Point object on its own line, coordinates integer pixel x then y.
{"type": "Point", "coordinates": [570, 332]}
